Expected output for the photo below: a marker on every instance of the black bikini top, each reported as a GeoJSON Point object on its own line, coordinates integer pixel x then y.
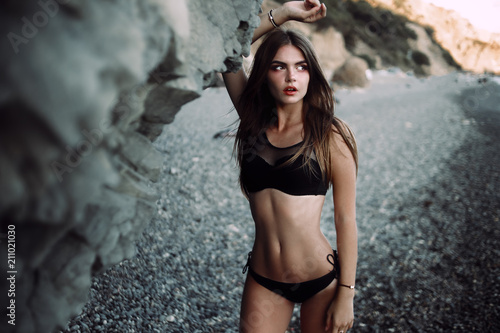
{"type": "Point", "coordinates": [262, 168]}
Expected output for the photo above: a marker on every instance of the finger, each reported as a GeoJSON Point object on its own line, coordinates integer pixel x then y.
{"type": "Point", "coordinates": [328, 323]}
{"type": "Point", "coordinates": [316, 13]}
{"type": "Point", "coordinates": [312, 3]}
{"type": "Point", "coordinates": [312, 14]}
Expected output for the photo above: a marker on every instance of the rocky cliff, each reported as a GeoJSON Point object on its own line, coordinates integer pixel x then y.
{"type": "Point", "coordinates": [410, 34]}
{"type": "Point", "coordinates": [359, 35]}
{"type": "Point", "coordinates": [86, 87]}
{"type": "Point", "coordinates": [474, 49]}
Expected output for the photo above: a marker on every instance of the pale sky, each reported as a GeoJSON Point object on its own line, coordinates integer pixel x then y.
{"type": "Point", "coordinates": [483, 14]}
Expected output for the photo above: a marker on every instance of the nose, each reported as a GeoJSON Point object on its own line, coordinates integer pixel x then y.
{"type": "Point", "coordinates": [290, 75]}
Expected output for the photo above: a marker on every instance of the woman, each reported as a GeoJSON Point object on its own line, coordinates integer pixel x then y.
{"type": "Point", "coordinates": [290, 148]}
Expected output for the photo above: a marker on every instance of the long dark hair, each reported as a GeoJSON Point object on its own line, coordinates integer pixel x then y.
{"type": "Point", "coordinates": [256, 105]}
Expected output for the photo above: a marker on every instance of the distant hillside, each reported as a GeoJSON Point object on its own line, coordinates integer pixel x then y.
{"type": "Point", "coordinates": [474, 49]}
{"type": "Point", "coordinates": [408, 34]}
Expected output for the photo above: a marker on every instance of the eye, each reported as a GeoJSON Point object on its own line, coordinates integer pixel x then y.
{"type": "Point", "coordinates": [302, 67]}
{"type": "Point", "coordinates": [277, 67]}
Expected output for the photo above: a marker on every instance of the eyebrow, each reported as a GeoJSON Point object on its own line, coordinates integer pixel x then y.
{"type": "Point", "coordinates": [284, 63]}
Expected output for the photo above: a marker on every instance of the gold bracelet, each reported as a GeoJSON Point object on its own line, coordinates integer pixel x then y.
{"type": "Point", "coordinates": [345, 285]}
{"type": "Point", "coordinates": [271, 18]}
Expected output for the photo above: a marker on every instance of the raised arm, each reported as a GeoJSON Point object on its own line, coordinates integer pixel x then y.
{"type": "Point", "coordinates": [304, 11]}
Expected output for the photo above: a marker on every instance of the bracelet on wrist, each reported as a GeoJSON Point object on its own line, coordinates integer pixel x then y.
{"type": "Point", "coordinates": [271, 18]}
{"type": "Point", "coordinates": [347, 286]}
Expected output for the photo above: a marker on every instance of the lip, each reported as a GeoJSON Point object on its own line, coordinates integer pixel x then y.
{"type": "Point", "coordinates": [289, 92]}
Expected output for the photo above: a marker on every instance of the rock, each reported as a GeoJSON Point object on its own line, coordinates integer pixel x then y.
{"type": "Point", "coordinates": [161, 108]}
{"type": "Point", "coordinates": [353, 73]}
{"type": "Point", "coordinates": [139, 153]}
{"type": "Point", "coordinates": [86, 88]}
{"type": "Point", "coordinates": [330, 47]}
{"type": "Point", "coordinates": [436, 63]}
{"type": "Point", "coordinates": [63, 281]}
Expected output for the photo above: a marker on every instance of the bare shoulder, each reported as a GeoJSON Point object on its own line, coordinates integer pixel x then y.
{"type": "Point", "coordinates": [343, 142]}
{"type": "Point", "coordinates": [343, 155]}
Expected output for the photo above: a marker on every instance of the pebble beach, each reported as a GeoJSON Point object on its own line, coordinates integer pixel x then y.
{"type": "Point", "coordinates": [428, 215]}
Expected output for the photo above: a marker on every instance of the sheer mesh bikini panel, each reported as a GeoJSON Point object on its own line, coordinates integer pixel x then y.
{"type": "Point", "coordinates": [276, 155]}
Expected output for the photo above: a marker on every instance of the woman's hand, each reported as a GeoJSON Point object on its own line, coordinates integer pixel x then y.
{"type": "Point", "coordinates": [340, 314]}
{"type": "Point", "coordinates": [305, 11]}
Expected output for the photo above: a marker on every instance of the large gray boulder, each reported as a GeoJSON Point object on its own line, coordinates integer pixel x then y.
{"type": "Point", "coordinates": [86, 86]}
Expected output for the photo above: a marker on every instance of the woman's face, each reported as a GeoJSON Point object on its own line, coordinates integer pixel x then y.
{"type": "Point", "coordinates": [288, 76]}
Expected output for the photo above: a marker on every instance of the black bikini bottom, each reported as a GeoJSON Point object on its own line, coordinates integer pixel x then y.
{"type": "Point", "coordinates": [297, 292]}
